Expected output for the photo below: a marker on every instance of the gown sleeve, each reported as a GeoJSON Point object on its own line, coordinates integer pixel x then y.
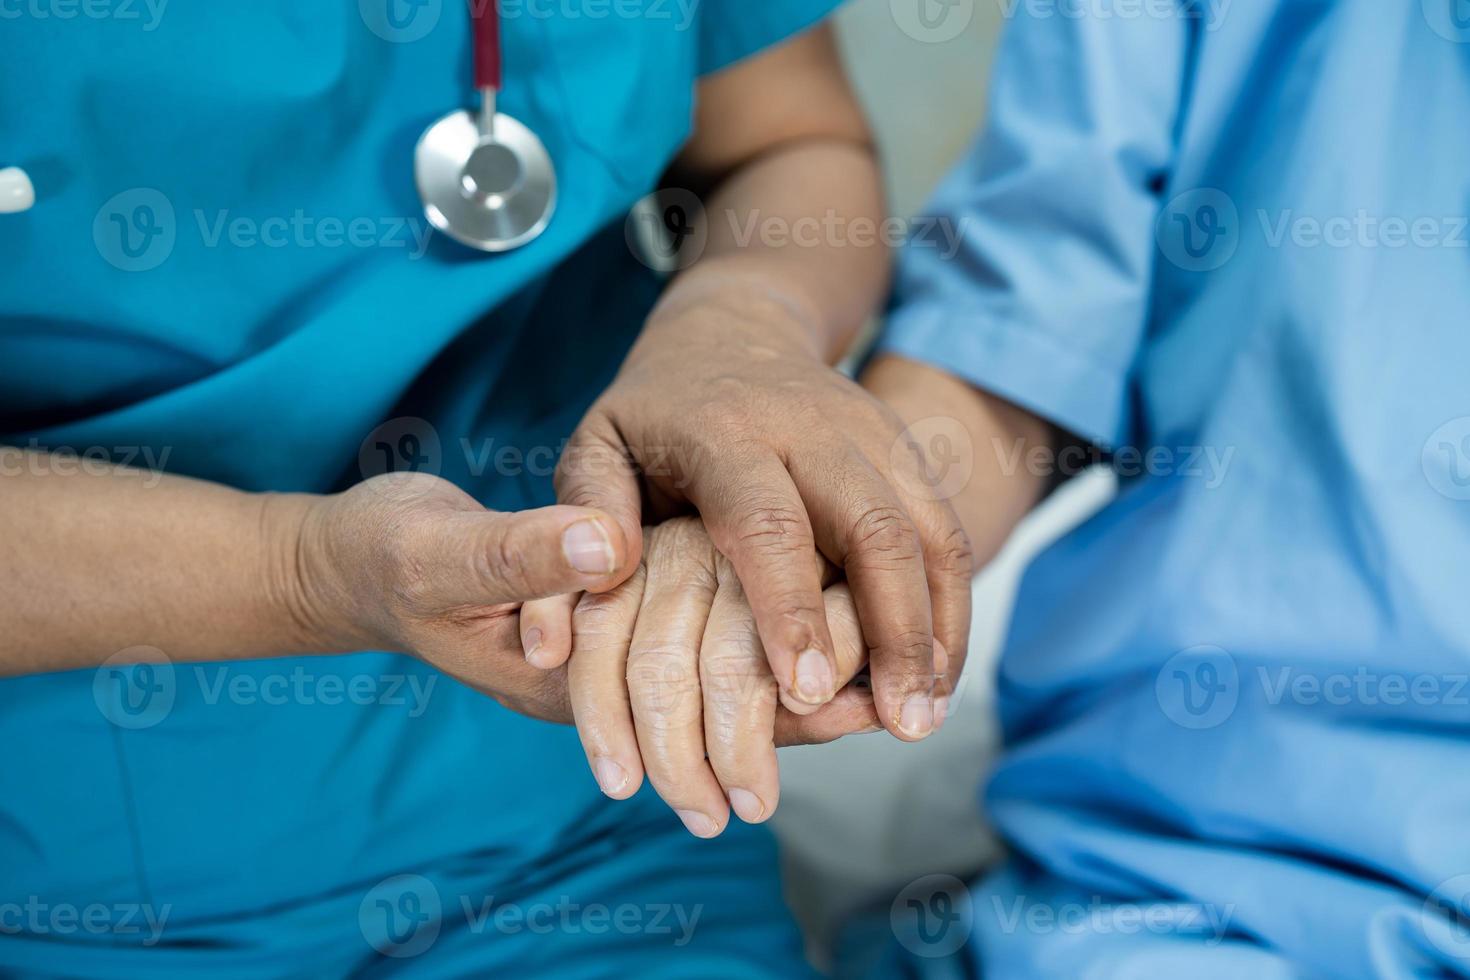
{"type": "Point", "coordinates": [1029, 275]}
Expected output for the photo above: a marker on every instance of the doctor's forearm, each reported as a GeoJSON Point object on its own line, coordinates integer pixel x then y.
{"type": "Point", "coordinates": [793, 201]}
{"type": "Point", "coordinates": [99, 559]}
{"type": "Point", "coordinates": [795, 234]}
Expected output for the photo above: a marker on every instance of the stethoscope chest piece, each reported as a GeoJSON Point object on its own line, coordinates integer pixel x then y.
{"type": "Point", "coordinates": [486, 180]}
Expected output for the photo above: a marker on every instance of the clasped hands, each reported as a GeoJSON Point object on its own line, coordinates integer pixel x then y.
{"type": "Point", "coordinates": [669, 679]}
{"type": "Point", "coordinates": [818, 591]}
{"type": "Point", "coordinates": [818, 541]}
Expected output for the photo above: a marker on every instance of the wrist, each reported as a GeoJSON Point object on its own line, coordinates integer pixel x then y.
{"type": "Point", "coordinates": [305, 589]}
{"type": "Point", "coordinates": [735, 304]}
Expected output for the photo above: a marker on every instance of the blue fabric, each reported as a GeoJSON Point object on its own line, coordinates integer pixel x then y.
{"type": "Point", "coordinates": [226, 273]}
{"type": "Point", "coordinates": [1229, 242]}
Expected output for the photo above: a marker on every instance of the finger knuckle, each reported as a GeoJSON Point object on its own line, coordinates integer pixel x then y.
{"type": "Point", "coordinates": [500, 564]}
{"type": "Point", "coordinates": [731, 688]}
{"type": "Point", "coordinates": [766, 524]}
{"type": "Point", "coordinates": [598, 613]}
{"type": "Point", "coordinates": [953, 554]}
{"type": "Point", "coordinates": [681, 557]}
{"type": "Point", "coordinates": [725, 665]}
{"type": "Point", "coordinates": [583, 473]}
{"type": "Point", "coordinates": [651, 668]}
{"type": "Point", "coordinates": [911, 666]}
{"type": "Point", "coordinates": [914, 648]}
{"type": "Point", "coordinates": [575, 494]}
{"type": "Point", "coordinates": [731, 643]}
{"type": "Point", "coordinates": [611, 615]}
{"type": "Point", "coordinates": [842, 619]}
{"type": "Point", "coordinates": [883, 534]}
{"type": "Point", "coordinates": [664, 689]}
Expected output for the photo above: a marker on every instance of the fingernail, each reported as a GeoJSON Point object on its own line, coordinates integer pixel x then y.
{"type": "Point", "coordinates": [747, 805]}
{"type": "Point", "coordinates": [532, 642]}
{"type": "Point", "coordinates": [941, 710]}
{"type": "Point", "coordinates": [916, 720]}
{"type": "Point", "coordinates": [698, 824]}
{"type": "Point", "coordinates": [610, 776]}
{"type": "Point", "coordinates": [813, 677]}
{"type": "Point", "coordinates": [588, 548]}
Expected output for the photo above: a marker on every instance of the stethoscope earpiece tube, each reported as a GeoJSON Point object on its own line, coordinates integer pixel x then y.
{"type": "Point", "coordinates": [489, 72]}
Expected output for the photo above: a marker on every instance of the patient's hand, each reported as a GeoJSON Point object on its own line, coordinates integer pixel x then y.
{"type": "Point", "coordinates": [668, 677]}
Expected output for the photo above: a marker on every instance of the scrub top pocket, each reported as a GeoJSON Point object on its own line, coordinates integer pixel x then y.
{"type": "Point", "coordinates": [627, 74]}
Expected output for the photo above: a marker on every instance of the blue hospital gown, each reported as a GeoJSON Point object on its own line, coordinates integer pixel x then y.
{"type": "Point", "coordinates": [1227, 241]}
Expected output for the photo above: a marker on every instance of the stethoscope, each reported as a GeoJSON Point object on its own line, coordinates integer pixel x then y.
{"type": "Point", "coordinates": [484, 178]}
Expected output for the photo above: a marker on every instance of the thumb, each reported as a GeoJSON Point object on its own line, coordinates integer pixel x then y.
{"type": "Point", "coordinates": [850, 712]}
{"type": "Point", "coordinates": [490, 558]}
{"type": "Point", "coordinates": [595, 471]}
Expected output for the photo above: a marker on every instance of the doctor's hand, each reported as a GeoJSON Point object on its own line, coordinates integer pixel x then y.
{"type": "Point", "coordinates": [667, 677]}
{"type": "Point", "coordinates": [411, 563]}
{"type": "Point", "coordinates": [720, 405]}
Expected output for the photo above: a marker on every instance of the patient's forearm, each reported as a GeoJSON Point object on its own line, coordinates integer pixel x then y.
{"type": "Point", "coordinates": [996, 439]}
{"type": "Point", "coordinates": [795, 205]}
{"type": "Point", "coordinates": [101, 558]}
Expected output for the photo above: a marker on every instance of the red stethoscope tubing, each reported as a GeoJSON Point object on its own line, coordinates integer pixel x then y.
{"type": "Point", "coordinates": [484, 178]}
{"type": "Point", "coordinates": [485, 19]}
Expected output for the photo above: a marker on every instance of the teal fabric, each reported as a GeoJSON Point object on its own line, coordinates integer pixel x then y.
{"type": "Point", "coordinates": [226, 272]}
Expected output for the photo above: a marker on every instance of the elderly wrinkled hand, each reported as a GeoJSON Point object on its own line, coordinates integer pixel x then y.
{"type": "Point", "coordinates": [667, 677]}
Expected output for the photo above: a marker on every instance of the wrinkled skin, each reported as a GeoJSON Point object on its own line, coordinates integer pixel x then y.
{"type": "Point", "coordinates": [411, 563]}
{"type": "Point", "coordinates": [783, 458]}
{"type": "Point", "coordinates": [668, 677]}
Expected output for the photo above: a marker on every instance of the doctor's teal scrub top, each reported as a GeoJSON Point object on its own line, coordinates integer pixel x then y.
{"type": "Point", "coordinates": [1230, 243]}
{"type": "Point", "coordinates": [227, 274]}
